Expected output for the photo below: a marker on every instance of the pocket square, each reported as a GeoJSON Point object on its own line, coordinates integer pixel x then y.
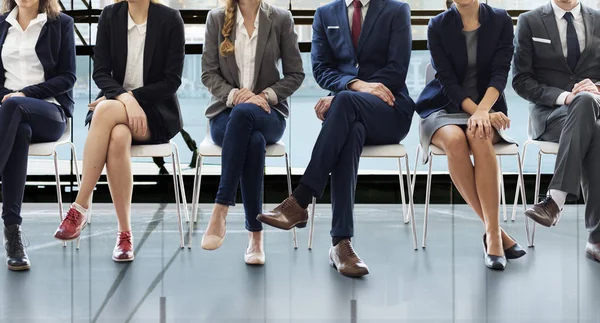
{"type": "Point", "coordinates": [541, 40]}
{"type": "Point", "coordinates": [333, 27]}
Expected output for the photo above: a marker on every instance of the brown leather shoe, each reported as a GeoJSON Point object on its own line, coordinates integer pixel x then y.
{"type": "Point", "coordinates": [545, 212]}
{"type": "Point", "coordinates": [343, 258]}
{"type": "Point", "coordinates": [592, 250]}
{"type": "Point", "coordinates": [286, 215]}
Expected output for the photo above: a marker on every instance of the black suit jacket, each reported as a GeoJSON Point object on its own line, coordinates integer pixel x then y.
{"type": "Point", "coordinates": [56, 50]}
{"type": "Point", "coordinates": [449, 57]}
{"type": "Point", "coordinates": [164, 53]}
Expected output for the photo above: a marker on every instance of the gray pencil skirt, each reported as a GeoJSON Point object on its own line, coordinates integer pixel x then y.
{"type": "Point", "coordinates": [441, 118]}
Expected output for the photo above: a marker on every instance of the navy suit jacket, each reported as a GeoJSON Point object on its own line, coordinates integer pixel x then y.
{"type": "Point", "coordinates": [383, 53]}
{"type": "Point", "coordinates": [164, 53]}
{"type": "Point", "coordinates": [56, 50]}
{"type": "Point", "coordinates": [448, 47]}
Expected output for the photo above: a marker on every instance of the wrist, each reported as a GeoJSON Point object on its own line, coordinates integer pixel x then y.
{"type": "Point", "coordinates": [355, 85]}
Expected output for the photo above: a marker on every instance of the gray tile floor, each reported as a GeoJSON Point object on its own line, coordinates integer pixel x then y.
{"type": "Point", "coordinates": [447, 282]}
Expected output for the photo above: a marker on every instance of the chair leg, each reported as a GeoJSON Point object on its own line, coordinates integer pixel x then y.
{"type": "Point", "coordinates": [522, 187]}
{"type": "Point", "coordinates": [289, 184]}
{"type": "Point", "coordinates": [181, 183]}
{"type": "Point", "coordinates": [427, 196]}
{"type": "Point", "coordinates": [411, 204]}
{"type": "Point", "coordinates": [195, 198]}
{"type": "Point", "coordinates": [414, 179]}
{"type": "Point", "coordinates": [312, 223]}
{"type": "Point", "coordinates": [177, 202]}
{"type": "Point", "coordinates": [78, 176]}
{"type": "Point", "coordinates": [502, 193]}
{"type": "Point", "coordinates": [517, 189]}
{"type": "Point", "coordinates": [401, 176]}
{"type": "Point", "coordinates": [59, 191]}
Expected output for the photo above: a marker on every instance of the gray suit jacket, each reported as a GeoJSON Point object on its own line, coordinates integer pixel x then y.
{"type": "Point", "coordinates": [276, 40]}
{"type": "Point", "coordinates": [540, 69]}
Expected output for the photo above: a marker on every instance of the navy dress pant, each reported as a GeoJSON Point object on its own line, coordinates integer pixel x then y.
{"type": "Point", "coordinates": [244, 133]}
{"type": "Point", "coordinates": [23, 121]}
{"type": "Point", "coordinates": [353, 121]}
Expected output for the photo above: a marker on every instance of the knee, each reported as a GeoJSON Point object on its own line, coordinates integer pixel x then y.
{"type": "Point", "coordinates": [243, 112]}
{"type": "Point", "coordinates": [582, 105]}
{"type": "Point", "coordinates": [476, 141]}
{"type": "Point", "coordinates": [105, 110]}
{"type": "Point", "coordinates": [120, 139]}
{"type": "Point", "coordinates": [342, 103]}
{"type": "Point", "coordinates": [455, 144]}
{"type": "Point", "coordinates": [11, 104]}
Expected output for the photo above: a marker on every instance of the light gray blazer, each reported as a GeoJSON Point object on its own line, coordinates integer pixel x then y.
{"type": "Point", "coordinates": [540, 69]}
{"type": "Point", "coordinates": [276, 40]}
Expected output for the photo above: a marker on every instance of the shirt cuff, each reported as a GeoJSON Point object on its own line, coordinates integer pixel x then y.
{"type": "Point", "coordinates": [229, 102]}
{"type": "Point", "coordinates": [562, 98]}
{"type": "Point", "coordinates": [273, 100]}
{"type": "Point", "coordinates": [348, 84]}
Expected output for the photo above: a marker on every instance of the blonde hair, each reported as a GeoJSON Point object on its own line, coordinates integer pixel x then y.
{"type": "Point", "coordinates": [50, 7]}
{"type": "Point", "coordinates": [226, 48]}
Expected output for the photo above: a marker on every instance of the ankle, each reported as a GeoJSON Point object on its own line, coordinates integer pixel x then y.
{"type": "Point", "coordinates": [80, 208]}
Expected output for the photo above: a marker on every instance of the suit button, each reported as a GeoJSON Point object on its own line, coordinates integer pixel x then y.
{"type": "Point", "coordinates": [572, 78]}
{"type": "Point", "coordinates": [357, 66]}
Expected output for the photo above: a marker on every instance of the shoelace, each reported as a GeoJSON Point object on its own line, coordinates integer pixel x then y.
{"type": "Point", "coordinates": [546, 201]}
{"type": "Point", "coordinates": [73, 217]}
{"type": "Point", "coordinates": [124, 240]}
{"type": "Point", "coordinates": [15, 244]}
{"type": "Point", "coordinates": [348, 250]}
{"type": "Point", "coordinates": [286, 204]}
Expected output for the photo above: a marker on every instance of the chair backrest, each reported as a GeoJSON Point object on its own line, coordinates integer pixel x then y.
{"type": "Point", "coordinates": [429, 73]}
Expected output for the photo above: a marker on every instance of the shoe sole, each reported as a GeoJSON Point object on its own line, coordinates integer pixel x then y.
{"type": "Point", "coordinates": [124, 260]}
{"type": "Point", "coordinates": [332, 264]}
{"type": "Point", "coordinates": [20, 268]}
{"type": "Point", "coordinates": [535, 218]}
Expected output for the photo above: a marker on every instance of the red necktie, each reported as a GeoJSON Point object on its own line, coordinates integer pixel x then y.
{"type": "Point", "coordinates": [356, 22]}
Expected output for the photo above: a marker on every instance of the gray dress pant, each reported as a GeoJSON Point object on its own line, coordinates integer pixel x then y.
{"type": "Point", "coordinates": [577, 130]}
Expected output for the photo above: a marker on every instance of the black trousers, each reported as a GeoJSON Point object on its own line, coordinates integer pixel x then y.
{"type": "Point", "coordinates": [23, 121]}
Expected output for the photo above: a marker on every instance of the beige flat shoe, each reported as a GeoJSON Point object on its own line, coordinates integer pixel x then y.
{"type": "Point", "coordinates": [211, 242]}
{"type": "Point", "coordinates": [254, 258]}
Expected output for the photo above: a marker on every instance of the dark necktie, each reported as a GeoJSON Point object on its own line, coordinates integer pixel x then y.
{"type": "Point", "coordinates": [356, 22]}
{"type": "Point", "coordinates": [573, 50]}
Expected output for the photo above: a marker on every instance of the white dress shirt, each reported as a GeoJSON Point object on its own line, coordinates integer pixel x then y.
{"type": "Point", "coordinates": [245, 58]}
{"type": "Point", "coordinates": [136, 42]}
{"type": "Point", "coordinates": [562, 24]}
{"type": "Point", "coordinates": [22, 66]}
{"type": "Point", "coordinates": [364, 9]}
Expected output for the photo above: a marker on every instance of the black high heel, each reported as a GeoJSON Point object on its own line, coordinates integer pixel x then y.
{"type": "Point", "coordinates": [491, 261]}
{"type": "Point", "coordinates": [514, 252]}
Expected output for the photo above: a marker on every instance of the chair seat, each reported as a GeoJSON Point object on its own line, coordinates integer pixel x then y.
{"type": "Point", "coordinates": [47, 148]}
{"type": "Point", "coordinates": [546, 147]}
{"type": "Point", "coordinates": [209, 148]}
{"type": "Point", "coordinates": [384, 151]}
{"type": "Point", "coordinates": [503, 149]}
{"type": "Point", "coordinates": [160, 150]}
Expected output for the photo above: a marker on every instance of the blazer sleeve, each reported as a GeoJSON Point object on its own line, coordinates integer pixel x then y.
{"type": "Point", "coordinates": [393, 75]}
{"type": "Point", "coordinates": [102, 74]}
{"type": "Point", "coordinates": [293, 72]}
{"type": "Point", "coordinates": [211, 68]}
{"type": "Point", "coordinates": [159, 91]}
{"type": "Point", "coordinates": [503, 56]}
{"type": "Point", "coordinates": [444, 72]}
{"type": "Point", "coordinates": [524, 81]}
{"type": "Point", "coordinates": [323, 61]}
{"type": "Point", "coordinates": [65, 78]}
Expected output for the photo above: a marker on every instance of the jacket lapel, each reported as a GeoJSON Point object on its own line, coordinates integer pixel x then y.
{"type": "Point", "coordinates": [552, 29]}
{"type": "Point", "coordinates": [230, 59]}
{"type": "Point", "coordinates": [375, 8]}
{"type": "Point", "coordinates": [119, 35]}
{"type": "Point", "coordinates": [459, 51]}
{"type": "Point", "coordinates": [589, 21]}
{"type": "Point", "coordinates": [3, 31]}
{"type": "Point", "coordinates": [151, 35]}
{"type": "Point", "coordinates": [264, 30]}
{"type": "Point", "coordinates": [341, 12]}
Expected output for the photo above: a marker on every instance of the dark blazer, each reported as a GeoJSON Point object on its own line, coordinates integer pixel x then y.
{"type": "Point", "coordinates": [383, 54]}
{"type": "Point", "coordinates": [541, 73]}
{"type": "Point", "coordinates": [164, 53]}
{"type": "Point", "coordinates": [56, 50]}
{"type": "Point", "coordinates": [448, 47]}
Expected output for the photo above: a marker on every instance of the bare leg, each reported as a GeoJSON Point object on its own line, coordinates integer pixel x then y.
{"type": "Point", "coordinates": [107, 115]}
{"type": "Point", "coordinates": [486, 183]}
{"type": "Point", "coordinates": [453, 141]}
{"type": "Point", "coordinates": [216, 224]}
{"type": "Point", "coordinates": [255, 243]}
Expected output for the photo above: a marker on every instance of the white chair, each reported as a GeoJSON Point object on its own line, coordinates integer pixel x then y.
{"type": "Point", "coordinates": [500, 149]}
{"type": "Point", "coordinates": [545, 148]}
{"type": "Point", "coordinates": [208, 148]}
{"type": "Point", "coordinates": [165, 150]}
{"type": "Point", "coordinates": [49, 149]}
{"type": "Point", "coordinates": [396, 151]}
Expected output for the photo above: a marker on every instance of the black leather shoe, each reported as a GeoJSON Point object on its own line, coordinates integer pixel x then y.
{"type": "Point", "coordinates": [491, 261]}
{"type": "Point", "coordinates": [16, 257]}
{"type": "Point", "coordinates": [514, 252]}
